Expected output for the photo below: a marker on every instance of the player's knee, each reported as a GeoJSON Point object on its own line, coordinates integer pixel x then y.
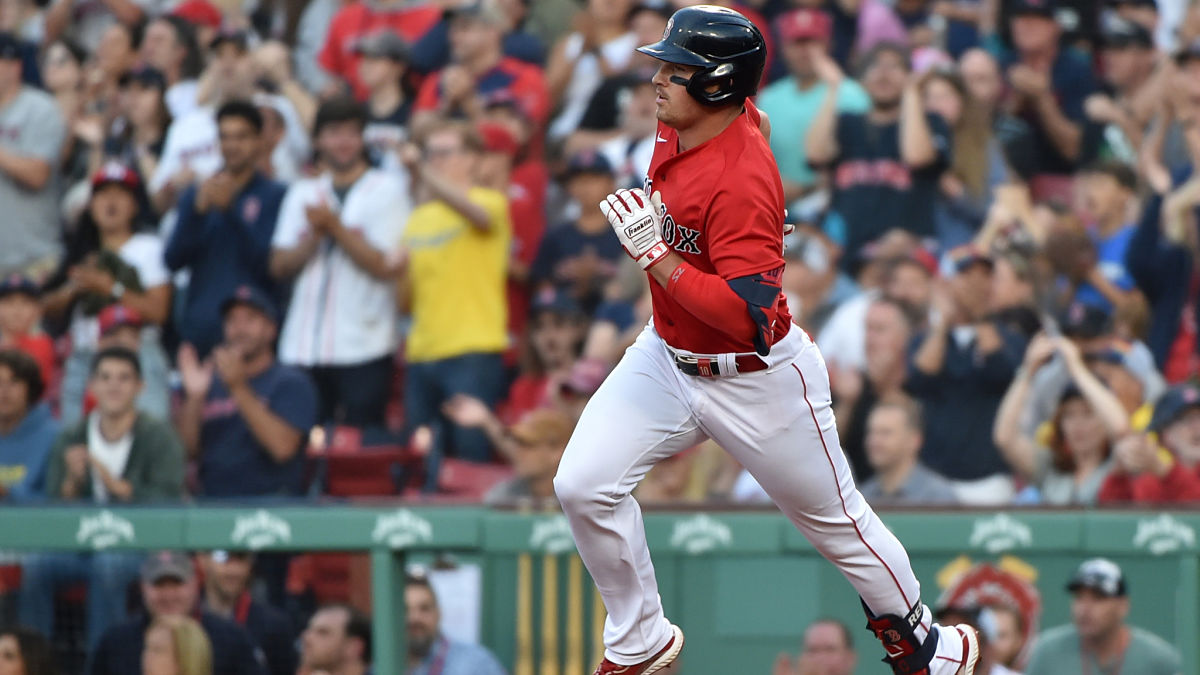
{"type": "Point", "coordinates": [574, 490]}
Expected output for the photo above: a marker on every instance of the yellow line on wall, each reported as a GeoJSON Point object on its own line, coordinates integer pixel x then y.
{"type": "Point", "coordinates": [574, 664]}
{"type": "Point", "coordinates": [549, 615]}
{"type": "Point", "coordinates": [524, 664]}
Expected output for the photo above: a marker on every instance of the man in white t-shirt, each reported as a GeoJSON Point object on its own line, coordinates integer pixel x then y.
{"type": "Point", "coordinates": [336, 240]}
{"type": "Point", "coordinates": [117, 455]}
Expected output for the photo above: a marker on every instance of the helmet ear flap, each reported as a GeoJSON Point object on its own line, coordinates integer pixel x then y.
{"type": "Point", "coordinates": [722, 77]}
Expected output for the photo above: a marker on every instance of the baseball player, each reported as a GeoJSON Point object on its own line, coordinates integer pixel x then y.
{"type": "Point", "coordinates": [721, 359]}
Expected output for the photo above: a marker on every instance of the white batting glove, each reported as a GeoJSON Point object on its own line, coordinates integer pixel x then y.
{"type": "Point", "coordinates": [638, 222]}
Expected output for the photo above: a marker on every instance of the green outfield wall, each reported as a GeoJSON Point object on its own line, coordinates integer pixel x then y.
{"type": "Point", "coordinates": [742, 585]}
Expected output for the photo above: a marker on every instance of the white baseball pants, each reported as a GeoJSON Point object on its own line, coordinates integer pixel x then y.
{"type": "Point", "coordinates": [778, 423]}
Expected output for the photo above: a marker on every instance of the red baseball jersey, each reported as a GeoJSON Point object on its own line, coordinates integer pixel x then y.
{"type": "Point", "coordinates": [724, 215]}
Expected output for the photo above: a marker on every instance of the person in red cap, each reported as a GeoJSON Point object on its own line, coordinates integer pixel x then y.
{"type": "Point", "coordinates": [793, 101]}
{"type": "Point", "coordinates": [110, 261]}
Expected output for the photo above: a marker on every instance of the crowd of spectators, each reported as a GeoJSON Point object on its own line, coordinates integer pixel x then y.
{"type": "Point", "coordinates": [240, 238]}
{"type": "Point", "coordinates": [1099, 635]}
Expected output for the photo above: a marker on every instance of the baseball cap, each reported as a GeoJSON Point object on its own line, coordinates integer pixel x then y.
{"type": "Point", "coordinates": [237, 37]}
{"type": "Point", "coordinates": [384, 44]}
{"type": "Point", "coordinates": [497, 138]}
{"type": "Point", "coordinates": [544, 425]}
{"type": "Point", "coordinates": [1084, 321]}
{"type": "Point", "coordinates": [167, 565]}
{"type": "Point", "coordinates": [805, 23]}
{"type": "Point", "coordinates": [17, 283]}
{"type": "Point", "coordinates": [145, 76]}
{"type": "Point", "coordinates": [199, 12]}
{"type": "Point", "coordinates": [556, 301]}
{"type": "Point", "coordinates": [252, 297]}
{"type": "Point", "coordinates": [588, 161]}
{"type": "Point", "coordinates": [116, 172]}
{"type": "Point", "coordinates": [1117, 32]}
{"type": "Point", "coordinates": [115, 316]}
{"type": "Point", "coordinates": [1045, 8]}
{"type": "Point", "coordinates": [10, 47]}
{"type": "Point", "coordinates": [1172, 404]}
{"type": "Point", "coordinates": [919, 257]}
{"type": "Point", "coordinates": [1100, 575]}
{"type": "Point", "coordinates": [486, 11]}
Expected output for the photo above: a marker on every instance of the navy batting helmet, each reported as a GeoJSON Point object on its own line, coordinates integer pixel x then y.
{"type": "Point", "coordinates": [726, 46]}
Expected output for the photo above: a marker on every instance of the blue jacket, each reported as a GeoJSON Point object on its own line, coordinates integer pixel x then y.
{"type": "Point", "coordinates": [25, 452]}
{"type": "Point", "coordinates": [222, 250]}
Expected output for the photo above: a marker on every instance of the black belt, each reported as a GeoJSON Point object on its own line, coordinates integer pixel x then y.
{"type": "Point", "coordinates": [699, 366]}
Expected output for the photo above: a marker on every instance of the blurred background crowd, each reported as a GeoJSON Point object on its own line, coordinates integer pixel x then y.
{"type": "Point", "coordinates": [276, 249]}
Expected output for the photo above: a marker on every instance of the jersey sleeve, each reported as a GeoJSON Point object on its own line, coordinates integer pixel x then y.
{"type": "Point", "coordinates": [744, 228]}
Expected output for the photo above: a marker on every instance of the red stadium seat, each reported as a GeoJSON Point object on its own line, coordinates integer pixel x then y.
{"type": "Point", "coordinates": [364, 471]}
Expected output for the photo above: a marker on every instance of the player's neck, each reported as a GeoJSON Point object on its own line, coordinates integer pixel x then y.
{"type": "Point", "coordinates": [707, 127]}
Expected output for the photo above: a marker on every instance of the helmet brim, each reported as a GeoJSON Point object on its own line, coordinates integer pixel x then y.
{"type": "Point", "coordinates": [672, 53]}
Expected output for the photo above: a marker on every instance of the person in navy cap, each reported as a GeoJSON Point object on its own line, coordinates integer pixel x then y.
{"type": "Point", "coordinates": [245, 417]}
{"type": "Point", "coordinates": [582, 256]}
{"type": "Point", "coordinates": [21, 320]}
{"type": "Point", "coordinates": [1164, 468]}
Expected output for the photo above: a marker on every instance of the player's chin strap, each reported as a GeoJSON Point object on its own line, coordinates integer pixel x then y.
{"type": "Point", "coordinates": [905, 654]}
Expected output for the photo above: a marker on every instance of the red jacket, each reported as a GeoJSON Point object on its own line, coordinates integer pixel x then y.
{"type": "Point", "coordinates": [1179, 485]}
{"type": "Point", "coordinates": [360, 19]}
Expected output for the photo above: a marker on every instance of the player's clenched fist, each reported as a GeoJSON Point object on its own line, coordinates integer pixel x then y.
{"type": "Point", "coordinates": [638, 222]}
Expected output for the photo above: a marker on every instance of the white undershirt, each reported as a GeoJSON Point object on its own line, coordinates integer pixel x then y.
{"type": "Point", "coordinates": [112, 455]}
